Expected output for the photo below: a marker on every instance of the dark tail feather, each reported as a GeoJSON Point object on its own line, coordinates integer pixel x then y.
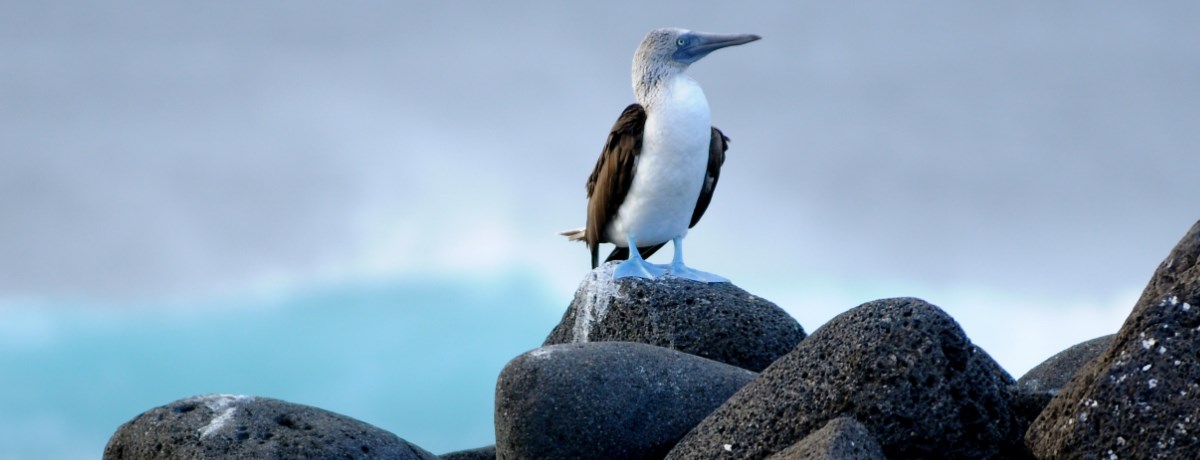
{"type": "Point", "coordinates": [620, 253]}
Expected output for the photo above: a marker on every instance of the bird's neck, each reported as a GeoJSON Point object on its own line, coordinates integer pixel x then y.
{"type": "Point", "coordinates": [677, 107]}
{"type": "Point", "coordinates": [653, 79]}
{"type": "Point", "coordinates": [653, 88]}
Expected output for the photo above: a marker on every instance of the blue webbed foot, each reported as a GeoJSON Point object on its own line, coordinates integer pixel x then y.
{"type": "Point", "coordinates": [637, 268]}
{"type": "Point", "coordinates": [689, 273]}
{"type": "Point", "coordinates": [679, 270]}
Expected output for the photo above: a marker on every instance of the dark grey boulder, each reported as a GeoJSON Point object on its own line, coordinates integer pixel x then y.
{"type": "Point", "coordinates": [1027, 405]}
{"type": "Point", "coordinates": [718, 321]}
{"type": "Point", "coordinates": [482, 453]}
{"type": "Point", "coordinates": [901, 367]}
{"type": "Point", "coordinates": [1053, 373]}
{"type": "Point", "coordinates": [605, 400]}
{"type": "Point", "coordinates": [1141, 398]}
{"type": "Point", "coordinates": [247, 427]}
{"type": "Point", "coordinates": [1036, 388]}
{"type": "Point", "coordinates": [843, 438]}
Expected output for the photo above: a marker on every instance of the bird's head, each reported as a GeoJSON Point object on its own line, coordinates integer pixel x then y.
{"type": "Point", "coordinates": [681, 47]}
{"type": "Point", "coordinates": [666, 53]}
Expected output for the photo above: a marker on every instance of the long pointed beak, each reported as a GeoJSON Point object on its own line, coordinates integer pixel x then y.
{"type": "Point", "coordinates": [702, 43]}
{"type": "Point", "coordinates": [707, 43]}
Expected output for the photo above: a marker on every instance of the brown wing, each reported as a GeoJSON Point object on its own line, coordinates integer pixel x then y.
{"type": "Point", "coordinates": [716, 158]}
{"type": "Point", "coordinates": [613, 175]}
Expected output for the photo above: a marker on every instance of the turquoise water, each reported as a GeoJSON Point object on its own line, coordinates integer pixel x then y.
{"type": "Point", "coordinates": [417, 358]}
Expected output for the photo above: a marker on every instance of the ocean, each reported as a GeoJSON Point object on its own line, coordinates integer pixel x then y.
{"type": "Point", "coordinates": [418, 358]}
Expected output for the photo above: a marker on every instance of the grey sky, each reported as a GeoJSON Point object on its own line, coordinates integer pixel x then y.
{"type": "Point", "coordinates": [158, 147]}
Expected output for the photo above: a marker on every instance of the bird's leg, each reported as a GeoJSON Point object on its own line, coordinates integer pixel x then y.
{"type": "Point", "coordinates": [678, 269]}
{"type": "Point", "coordinates": [636, 266]}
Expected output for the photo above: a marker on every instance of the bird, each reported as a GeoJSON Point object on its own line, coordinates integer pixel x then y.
{"type": "Point", "coordinates": [660, 164]}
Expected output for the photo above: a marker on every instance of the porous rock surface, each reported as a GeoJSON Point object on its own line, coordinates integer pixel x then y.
{"type": "Point", "coordinates": [1141, 398]}
{"type": "Point", "coordinates": [605, 400]}
{"type": "Point", "coordinates": [843, 438]}
{"type": "Point", "coordinates": [718, 321]}
{"type": "Point", "coordinates": [246, 427]}
{"type": "Point", "coordinates": [1052, 374]}
{"type": "Point", "coordinates": [1036, 388]}
{"type": "Point", "coordinates": [481, 453]}
{"type": "Point", "coordinates": [901, 367]}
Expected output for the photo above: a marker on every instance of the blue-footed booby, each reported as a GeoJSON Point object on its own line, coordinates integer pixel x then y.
{"type": "Point", "coordinates": [656, 174]}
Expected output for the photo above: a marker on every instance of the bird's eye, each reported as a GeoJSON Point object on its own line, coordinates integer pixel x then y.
{"type": "Point", "coordinates": [681, 42]}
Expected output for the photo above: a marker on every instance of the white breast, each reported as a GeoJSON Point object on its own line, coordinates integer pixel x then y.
{"type": "Point", "coordinates": [670, 169]}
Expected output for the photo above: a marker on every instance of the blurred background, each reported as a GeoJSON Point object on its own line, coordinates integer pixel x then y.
{"type": "Point", "coordinates": [354, 205]}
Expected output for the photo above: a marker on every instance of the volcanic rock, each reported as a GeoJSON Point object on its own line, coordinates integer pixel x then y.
{"type": "Point", "coordinates": [842, 438]}
{"type": "Point", "coordinates": [718, 321]}
{"type": "Point", "coordinates": [1141, 398]}
{"type": "Point", "coordinates": [1036, 388]}
{"type": "Point", "coordinates": [1053, 373]}
{"type": "Point", "coordinates": [247, 427]}
{"type": "Point", "coordinates": [605, 400]}
{"type": "Point", "coordinates": [901, 367]}
{"type": "Point", "coordinates": [482, 453]}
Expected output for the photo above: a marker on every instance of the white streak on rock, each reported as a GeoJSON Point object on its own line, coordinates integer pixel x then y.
{"type": "Point", "coordinates": [224, 405]}
{"type": "Point", "coordinates": [598, 290]}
